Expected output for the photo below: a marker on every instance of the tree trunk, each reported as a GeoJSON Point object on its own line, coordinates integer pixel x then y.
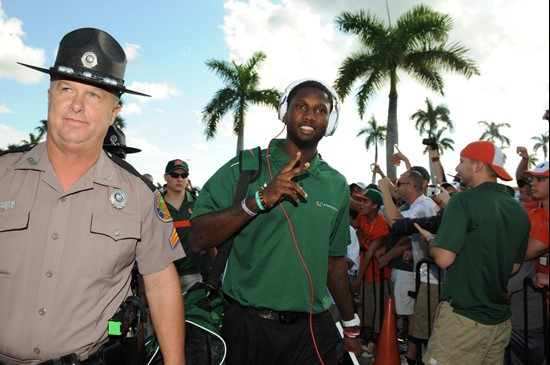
{"type": "Point", "coordinates": [240, 134]}
{"type": "Point", "coordinates": [375, 161]}
{"type": "Point", "coordinates": [240, 139]}
{"type": "Point", "coordinates": [392, 133]}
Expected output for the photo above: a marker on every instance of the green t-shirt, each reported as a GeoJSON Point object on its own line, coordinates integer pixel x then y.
{"type": "Point", "coordinates": [190, 264]}
{"type": "Point", "coordinates": [487, 229]}
{"type": "Point", "coordinates": [264, 269]}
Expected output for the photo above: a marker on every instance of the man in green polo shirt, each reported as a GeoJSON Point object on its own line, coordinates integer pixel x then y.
{"type": "Point", "coordinates": [292, 232]}
{"type": "Point", "coordinates": [481, 241]}
{"type": "Point", "coordinates": [180, 204]}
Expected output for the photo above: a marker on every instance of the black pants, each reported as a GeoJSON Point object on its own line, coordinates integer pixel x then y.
{"type": "Point", "coordinates": [254, 340]}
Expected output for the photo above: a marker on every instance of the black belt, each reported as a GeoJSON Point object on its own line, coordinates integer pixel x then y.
{"type": "Point", "coordinates": [284, 317]}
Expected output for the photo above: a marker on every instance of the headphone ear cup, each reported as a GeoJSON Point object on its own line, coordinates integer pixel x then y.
{"type": "Point", "coordinates": [332, 121]}
{"type": "Point", "coordinates": [282, 106]}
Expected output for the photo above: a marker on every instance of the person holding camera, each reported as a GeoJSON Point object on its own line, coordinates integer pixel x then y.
{"type": "Point", "coordinates": [410, 188]}
{"type": "Point", "coordinates": [481, 241]}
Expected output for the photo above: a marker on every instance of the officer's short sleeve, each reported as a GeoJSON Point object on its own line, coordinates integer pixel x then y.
{"type": "Point", "coordinates": [159, 245]}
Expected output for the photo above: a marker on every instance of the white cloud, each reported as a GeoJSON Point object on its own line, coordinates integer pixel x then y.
{"type": "Point", "coordinates": [14, 50]}
{"type": "Point", "coordinates": [130, 109]}
{"type": "Point", "coordinates": [158, 90]}
{"type": "Point", "coordinates": [202, 146]}
{"type": "Point", "coordinates": [4, 109]}
{"type": "Point", "coordinates": [9, 135]}
{"type": "Point", "coordinates": [131, 50]}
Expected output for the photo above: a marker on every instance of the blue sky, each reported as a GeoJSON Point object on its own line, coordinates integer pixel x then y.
{"type": "Point", "coordinates": [168, 42]}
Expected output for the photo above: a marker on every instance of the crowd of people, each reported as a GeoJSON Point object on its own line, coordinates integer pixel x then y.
{"type": "Point", "coordinates": [81, 231]}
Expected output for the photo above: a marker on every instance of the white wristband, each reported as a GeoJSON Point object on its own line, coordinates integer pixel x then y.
{"type": "Point", "coordinates": [245, 208]}
{"type": "Point", "coordinates": [354, 322]}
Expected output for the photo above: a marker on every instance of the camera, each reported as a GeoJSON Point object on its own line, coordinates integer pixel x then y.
{"type": "Point", "coordinates": [432, 142]}
{"type": "Point", "coordinates": [432, 191]}
{"type": "Point", "coordinates": [405, 226]}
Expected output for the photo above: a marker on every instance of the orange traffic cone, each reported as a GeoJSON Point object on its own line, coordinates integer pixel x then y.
{"type": "Point", "coordinates": [387, 352]}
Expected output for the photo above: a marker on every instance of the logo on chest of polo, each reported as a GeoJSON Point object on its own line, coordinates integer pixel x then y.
{"type": "Point", "coordinates": [326, 205]}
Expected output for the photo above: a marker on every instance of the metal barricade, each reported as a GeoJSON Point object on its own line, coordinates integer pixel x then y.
{"type": "Point", "coordinates": [526, 359]}
{"type": "Point", "coordinates": [417, 286]}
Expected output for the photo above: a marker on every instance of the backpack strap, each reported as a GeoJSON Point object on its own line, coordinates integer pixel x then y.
{"type": "Point", "coordinates": [126, 166]}
{"type": "Point", "coordinates": [250, 163]}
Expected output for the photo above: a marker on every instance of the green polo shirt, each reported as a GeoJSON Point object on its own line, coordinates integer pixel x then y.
{"type": "Point", "coordinates": [487, 229]}
{"type": "Point", "coordinates": [191, 263]}
{"type": "Point", "coordinates": [264, 269]}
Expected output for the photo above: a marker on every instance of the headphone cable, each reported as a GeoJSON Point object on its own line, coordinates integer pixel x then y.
{"type": "Point", "coordinates": [299, 255]}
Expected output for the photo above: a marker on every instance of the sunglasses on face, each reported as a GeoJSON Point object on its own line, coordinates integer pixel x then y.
{"type": "Point", "coordinates": [399, 183]}
{"type": "Point", "coordinates": [183, 175]}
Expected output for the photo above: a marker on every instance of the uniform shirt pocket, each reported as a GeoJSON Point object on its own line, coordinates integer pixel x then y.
{"type": "Point", "coordinates": [13, 227]}
{"type": "Point", "coordinates": [112, 244]}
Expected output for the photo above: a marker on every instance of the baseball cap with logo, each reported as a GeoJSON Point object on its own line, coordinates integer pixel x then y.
{"type": "Point", "coordinates": [488, 152]}
{"type": "Point", "coordinates": [372, 194]}
{"type": "Point", "coordinates": [175, 165]}
{"type": "Point", "coordinates": [539, 170]}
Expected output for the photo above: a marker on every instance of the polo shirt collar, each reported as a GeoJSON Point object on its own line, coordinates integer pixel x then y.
{"type": "Point", "coordinates": [280, 158]}
{"type": "Point", "coordinates": [491, 186]}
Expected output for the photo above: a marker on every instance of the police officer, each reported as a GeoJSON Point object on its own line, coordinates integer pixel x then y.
{"type": "Point", "coordinates": [115, 143]}
{"type": "Point", "coordinates": [73, 222]}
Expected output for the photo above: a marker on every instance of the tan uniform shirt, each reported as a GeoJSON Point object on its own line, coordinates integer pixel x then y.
{"type": "Point", "coordinates": [66, 257]}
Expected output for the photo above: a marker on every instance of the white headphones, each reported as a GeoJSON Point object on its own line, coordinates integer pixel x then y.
{"type": "Point", "coordinates": [332, 118]}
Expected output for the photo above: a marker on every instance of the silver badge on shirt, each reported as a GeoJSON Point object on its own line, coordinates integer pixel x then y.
{"type": "Point", "coordinates": [7, 205]}
{"type": "Point", "coordinates": [118, 199]}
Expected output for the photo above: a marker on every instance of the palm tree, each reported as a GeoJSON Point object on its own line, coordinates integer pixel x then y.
{"type": "Point", "coordinates": [42, 129]}
{"type": "Point", "coordinates": [533, 160]}
{"type": "Point", "coordinates": [417, 44]}
{"type": "Point", "coordinates": [427, 120]}
{"type": "Point", "coordinates": [375, 135]}
{"type": "Point", "coordinates": [492, 133]}
{"type": "Point", "coordinates": [32, 139]}
{"type": "Point", "coordinates": [119, 121]}
{"type": "Point", "coordinates": [240, 91]}
{"type": "Point", "coordinates": [542, 142]}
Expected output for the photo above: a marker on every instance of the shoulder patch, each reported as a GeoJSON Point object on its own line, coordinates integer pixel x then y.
{"type": "Point", "coordinates": [161, 210]}
{"type": "Point", "coordinates": [174, 239]}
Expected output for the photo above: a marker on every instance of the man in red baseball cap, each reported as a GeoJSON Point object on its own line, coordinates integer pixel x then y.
{"type": "Point", "coordinates": [538, 236]}
{"type": "Point", "coordinates": [481, 241]}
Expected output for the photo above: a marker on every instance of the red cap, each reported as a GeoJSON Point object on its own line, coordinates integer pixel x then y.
{"type": "Point", "coordinates": [488, 152]}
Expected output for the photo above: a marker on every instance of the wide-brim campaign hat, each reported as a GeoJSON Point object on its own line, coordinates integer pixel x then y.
{"type": "Point", "coordinates": [116, 140]}
{"type": "Point", "coordinates": [91, 56]}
